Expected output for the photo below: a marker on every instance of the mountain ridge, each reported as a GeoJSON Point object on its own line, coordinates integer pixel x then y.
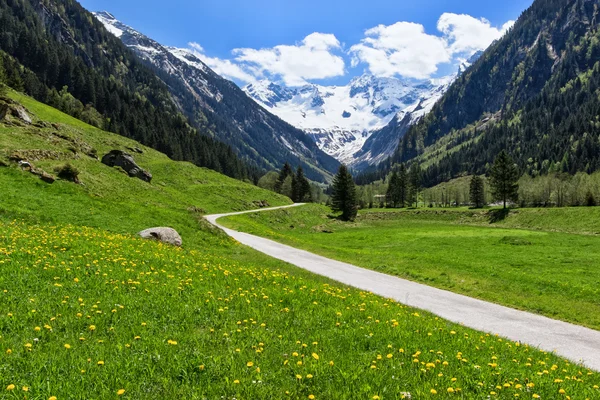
{"type": "Point", "coordinates": [227, 111]}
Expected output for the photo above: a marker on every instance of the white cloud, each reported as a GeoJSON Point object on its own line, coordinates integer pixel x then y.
{"type": "Point", "coordinates": [402, 48]}
{"type": "Point", "coordinates": [225, 68]}
{"type": "Point", "coordinates": [466, 34]}
{"type": "Point", "coordinates": [313, 58]}
{"type": "Point", "coordinates": [405, 49]}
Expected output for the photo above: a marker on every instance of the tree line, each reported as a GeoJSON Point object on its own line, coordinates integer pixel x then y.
{"type": "Point", "coordinates": [69, 61]}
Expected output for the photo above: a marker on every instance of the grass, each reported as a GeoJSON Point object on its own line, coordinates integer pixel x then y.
{"type": "Point", "coordinates": [88, 314]}
{"type": "Point", "coordinates": [87, 310]}
{"type": "Point", "coordinates": [540, 269]}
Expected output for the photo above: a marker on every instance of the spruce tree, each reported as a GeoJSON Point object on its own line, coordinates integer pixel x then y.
{"type": "Point", "coordinates": [476, 192]}
{"type": "Point", "coordinates": [343, 198]}
{"type": "Point", "coordinates": [414, 178]}
{"type": "Point", "coordinates": [286, 171]}
{"type": "Point", "coordinates": [301, 187]}
{"type": "Point", "coordinates": [402, 186]}
{"type": "Point", "coordinates": [391, 195]}
{"type": "Point", "coordinates": [503, 179]}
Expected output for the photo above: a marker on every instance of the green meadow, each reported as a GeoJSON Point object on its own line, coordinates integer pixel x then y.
{"type": "Point", "coordinates": [544, 261]}
{"type": "Point", "coordinates": [87, 310]}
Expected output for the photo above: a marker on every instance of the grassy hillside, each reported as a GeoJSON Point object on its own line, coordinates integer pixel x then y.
{"type": "Point", "coordinates": [107, 198]}
{"type": "Point", "coordinates": [97, 313]}
{"type": "Point", "coordinates": [527, 260]}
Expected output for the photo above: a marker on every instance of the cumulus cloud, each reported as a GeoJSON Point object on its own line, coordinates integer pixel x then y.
{"type": "Point", "coordinates": [466, 34]}
{"type": "Point", "coordinates": [402, 48]}
{"type": "Point", "coordinates": [313, 58]}
{"type": "Point", "coordinates": [405, 49]}
{"type": "Point", "coordinates": [225, 68]}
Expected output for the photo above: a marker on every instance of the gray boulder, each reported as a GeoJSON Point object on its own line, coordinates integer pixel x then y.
{"type": "Point", "coordinates": [118, 158]}
{"type": "Point", "coordinates": [11, 107]}
{"type": "Point", "coordinates": [162, 234]}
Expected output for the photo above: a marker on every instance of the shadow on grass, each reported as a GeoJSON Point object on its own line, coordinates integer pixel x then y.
{"type": "Point", "coordinates": [498, 215]}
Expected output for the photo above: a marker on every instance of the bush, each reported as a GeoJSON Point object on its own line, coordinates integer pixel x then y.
{"type": "Point", "coordinates": [68, 173]}
{"type": "Point", "coordinates": [590, 201]}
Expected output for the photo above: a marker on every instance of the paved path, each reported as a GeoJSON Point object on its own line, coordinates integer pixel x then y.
{"type": "Point", "coordinates": [573, 342]}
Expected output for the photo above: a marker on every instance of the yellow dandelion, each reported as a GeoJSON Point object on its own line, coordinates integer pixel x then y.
{"type": "Point", "coordinates": [450, 390]}
{"type": "Point", "coordinates": [311, 396]}
{"type": "Point", "coordinates": [100, 362]}
{"type": "Point", "coordinates": [120, 392]}
{"type": "Point", "coordinates": [52, 398]}
{"type": "Point", "coordinates": [92, 327]}
{"type": "Point", "coordinates": [433, 391]}
{"type": "Point", "coordinates": [237, 382]}
{"type": "Point", "coordinates": [309, 376]}
{"type": "Point", "coordinates": [249, 364]}
{"type": "Point", "coordinates": [10, 387]}
{"type": "Point", "coordinates": [376, 397]}
{"type": "Point", "coordinates": [315, 356]}
{"type": "Point", "coordinates": [67, 346]}
{"type": "Point", "coordinates": [25, 389]}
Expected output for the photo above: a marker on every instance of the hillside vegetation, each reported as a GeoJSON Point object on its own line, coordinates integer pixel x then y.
{"type": "Point", "coordinates": [107, 197]}
{"type": "Point", "coordinates": [532, 93]}
{"type": "Point", "coordinates": [540, 260]}
{"type": "Point", "coordinates": [89, 311]}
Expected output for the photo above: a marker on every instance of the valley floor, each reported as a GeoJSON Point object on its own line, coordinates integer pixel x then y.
{"type": "Point", "coordinates": [525, 260]}
{"type": "Point", "coordinates": [571, 341]}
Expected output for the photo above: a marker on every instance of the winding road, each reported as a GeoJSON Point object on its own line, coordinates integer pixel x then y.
{"type": "Point", "coordinates": [576, 343]}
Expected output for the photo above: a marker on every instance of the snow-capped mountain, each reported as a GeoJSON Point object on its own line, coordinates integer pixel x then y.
{"type": "Point", "coordinates": [223, 108]}
{"type": "Point", "coordinates": [343, 119]}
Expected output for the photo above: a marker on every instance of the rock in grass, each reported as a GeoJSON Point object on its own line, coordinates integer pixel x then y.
{"type": "Point", "coordinates": [162, 234]}
{"type": "Point", "coordinates": [119, 158]}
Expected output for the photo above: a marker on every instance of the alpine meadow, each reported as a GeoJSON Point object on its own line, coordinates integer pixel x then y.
{"type": "Point", "coordinates": [250, 200]}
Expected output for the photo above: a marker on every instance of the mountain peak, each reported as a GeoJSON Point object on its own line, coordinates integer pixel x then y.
{"type": "Point", "coordinates": [106, 15]}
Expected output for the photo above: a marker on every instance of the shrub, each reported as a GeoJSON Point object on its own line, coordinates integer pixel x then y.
{"type": "Point", "coordinates": [68, 173]}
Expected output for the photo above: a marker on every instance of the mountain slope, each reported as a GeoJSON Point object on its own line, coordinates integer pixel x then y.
{"type": "Point", "coordinates": [226, 111]}
{"type": "Point", "coordinates": [58, 53]}
{"type": "Point", "coordinates": [341, 119]}
{"type": "Point", "coordinates": [533, 93]}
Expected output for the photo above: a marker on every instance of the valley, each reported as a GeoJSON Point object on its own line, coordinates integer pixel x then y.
{"type": "Point", "coordinates": [299, 201]}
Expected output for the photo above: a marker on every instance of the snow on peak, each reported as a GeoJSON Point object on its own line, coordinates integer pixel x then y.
{"type": "Point", "coordinates": [341, 118]}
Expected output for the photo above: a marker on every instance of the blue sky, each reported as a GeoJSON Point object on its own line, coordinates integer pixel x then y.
{"type": "Point", "coordinates": [321, 41]}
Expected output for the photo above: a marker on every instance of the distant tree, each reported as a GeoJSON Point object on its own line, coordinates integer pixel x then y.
{"type": "Point", "coordinates": [476, 192]}
{"type": "Point", "coordinates": [268, 181]}
{"type": "Point", "coordinates": [300, 187]}
{"type": "Point", "coordinates": [504, 176]}
{"type": "Point", "coordinates": [402, 186]}
{"type": "Point", "coordinates": [343, 198]}
{"type": "Point", "coordinates": [590, 201]}
{"type": "Point", "coordinates": [286, 171]}
{"type": "Point", "coordinates": [391, 195]}
{"type": "Point", "coordinates": [414, 184]}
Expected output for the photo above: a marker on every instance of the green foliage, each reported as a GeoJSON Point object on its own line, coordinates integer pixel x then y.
{"type": "Point", "coordinates": [477, 191]}
{"type": "Point", "coordinates": [343, 198]}
{"type": "Point", "coordinates": [269, 181]}
{"type": "Point", "coordinates": [94, 77]}
{"type": "Point", "coordinates": [301, 190]}
{"type": "Point", "coordinates": [461, 251]}
{"type": "Point", "coordinates": [68, 172]}
{"type": "Point", "coordinates": [504, 176]}
{"type": "Point", "coordinates": [541, 105]}
{"type": "Point", "coordinates": [398, 188]}
{"type": "Point", "coordinates": [286, 171]}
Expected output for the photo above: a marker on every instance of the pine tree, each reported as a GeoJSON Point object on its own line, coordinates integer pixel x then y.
{"type": "Point", "coordinates": [503, 179]}
{"type": "Point", "coordinates": [402, 186]}
{"type": "Point", "coordinates": [2, 78]}
{"type": "Point", "coordinates": [414, 180]}
{"type": "Point", "coordinates": [476, 192]}
{"type": "Point", "coordinates": [286, 171]}
{"type": "Point", "coordinates": [300, 187]}
{"type": "Point", "coordinates": [343, 198]}
{"type": "Point", "coordinates": [391, 195]}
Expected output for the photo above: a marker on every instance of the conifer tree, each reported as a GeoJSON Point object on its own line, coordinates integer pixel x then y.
{"type": "Point", "coordinates": [393, 193]}
{"type": "Point", "coordinates": [414, 180]}
{"type": "Point", "coordinates": [300, 187]}
{"type": "Point", "coordinates": [286, 171]}
{"type": "Point", "coordinates": [476, 192]}
{"type": "Point", "coordinates": [343, 198]}
{"type": "Point", "coordinates": [503, 179]}
{"type": "Point", "coordinates": [402, 186]}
